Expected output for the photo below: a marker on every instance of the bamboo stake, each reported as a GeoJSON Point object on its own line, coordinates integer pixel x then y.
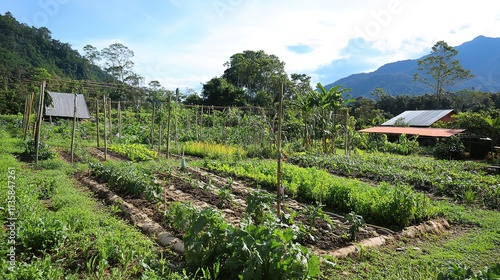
{"type": "Point", "coordinates": [105, 134]}
{"type": "Point", "coordinates": [201, 123]}
{"type": "Point", "coordinates": [110, 123]}
{"type": "Point", "coordinates": [346, 132]}
{"type": "Point", "coordinates": [168, 124]}
{"type": "Point", "coordinates": [39, 121]}
{"type": "Point", "coordinates": [74, 130]}
{"type": "Point", "coordinates": [152, 126]}
{"type": "Point", "coordinates": [280, 188]}
{"type": "Point", "coordinates": [30, 109]}
{"type": "Point", "coordinates": [177, 101]}
{"type": "Point", "coordinates": [25, 113]}
{"type": "Point", "coordinates": [97, 121]}
{"type": "Point", "coordinates": [119, 122]}
{"type": "Point", "coordinates": [160, 129]}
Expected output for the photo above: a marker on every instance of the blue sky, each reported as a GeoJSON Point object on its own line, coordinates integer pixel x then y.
{"type": "Point", "coordinates": [185, 43]}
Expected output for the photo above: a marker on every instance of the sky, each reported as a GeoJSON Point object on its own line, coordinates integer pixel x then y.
{"type": "Point", "coordinates": [183, 44]}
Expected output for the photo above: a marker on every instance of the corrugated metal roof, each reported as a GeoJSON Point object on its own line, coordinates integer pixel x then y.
{"type": "Point", "coordinates": [63, 106]}
{"type": "Point", "coordinates": [419, 117]}
{"type": "Point", "coordinates": [421, 131]}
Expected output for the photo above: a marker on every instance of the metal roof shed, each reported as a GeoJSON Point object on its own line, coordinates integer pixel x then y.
{"type": "Point", "coordinates": [63, 106]}
{"type": "Point", "coordinates": [421, 117]}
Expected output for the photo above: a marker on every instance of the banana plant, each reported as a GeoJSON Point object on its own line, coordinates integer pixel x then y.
{"type": "Point", "coordinates": [328, 102]}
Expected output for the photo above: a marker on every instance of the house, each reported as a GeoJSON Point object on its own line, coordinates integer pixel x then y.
{"type": "Point", "coordinates": [63, 106]}
{"type": "Point", "coordinates": [417, 123]}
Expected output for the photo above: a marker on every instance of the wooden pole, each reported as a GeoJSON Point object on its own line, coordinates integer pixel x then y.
{"type": "Point", "coordinates": [201, 123]}
{"type": "Point", "coordinates": [177, 102]}
{"type": "Point", "coordinates": [30, 108]}
{"type": "Point", "coordinates": [97, 121]}
{"type": "Point", "coordinates": [196, 124]}
{"type": "Point", "coordinates": [25, 113]}
{"type": "Point", "coordinates": [346, 132]}
{"type": "Point", "coordinates": [280, 188]}
{"type": "Point", "coordinates": [119, 122]}
{"type": "Point", "coordinates": [160, 126]}
{"type": "Point", "coordinates": [110, 123]}
{"type": "Point", "coordinates": [74, 130]}
{"type": "Point", "coordinates": [105, 134]}
{"type": "Point", "coordinates": [39, 121]}
{"type": "Point", "coordinates": [152, 126]}
{"type": "Point", "coordinates": [168, 124]}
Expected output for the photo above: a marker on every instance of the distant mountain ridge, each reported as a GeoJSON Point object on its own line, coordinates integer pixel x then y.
{"type": "Point", "coordinates": [481, 56]}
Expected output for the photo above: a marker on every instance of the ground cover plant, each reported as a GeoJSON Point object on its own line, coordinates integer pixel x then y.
{"type": "Point", "coordinates": [134, 152]}
{"type": "Point", "coordinates": [212, 150]}
{"type": "Point", "coordinates": [464, 181]}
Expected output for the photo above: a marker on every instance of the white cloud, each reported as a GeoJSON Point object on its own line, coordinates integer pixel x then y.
{"type": "Point", "coordinates": [192, 48]}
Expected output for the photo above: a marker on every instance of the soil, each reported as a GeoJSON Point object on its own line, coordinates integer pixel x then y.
{"type": "Point", "coordinates": [99, 154]}
{"type": "Point", "coordinates": [65, 156]}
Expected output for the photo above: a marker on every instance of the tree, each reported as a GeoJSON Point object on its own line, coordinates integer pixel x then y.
{"type": "Point", "coordinates": [441, 68]}
{"type": "Point", "coordinates": [256, 71]}
{"type": "Point", "coordinates": [218, 91]}
{"type": "Point", "coordinates": [300, 84]}
{"type": "Point", "coordinates": [118, 61]}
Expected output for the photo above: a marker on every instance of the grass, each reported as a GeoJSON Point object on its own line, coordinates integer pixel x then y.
{"type": "Point", "coordinates": [64, 233]}
{"type": "Point", "coordinates": [473, 241]}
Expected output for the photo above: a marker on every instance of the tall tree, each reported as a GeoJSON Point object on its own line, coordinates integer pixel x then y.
{"type": "Point", "coordinates": [257, 73]}
{"type": "Point", "coordinates": [441, 68]}
{"type": "Point", "coordinates": [218, 91]}
{"type": "Point", "coordinates": [117, 60]}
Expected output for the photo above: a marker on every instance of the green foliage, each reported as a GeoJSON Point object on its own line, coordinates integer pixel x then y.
{"type": "Point", "coordinates": [134, 152]}
{"type": "Point", "coordinates": [450, 148]}
{"type": "Point", "coordinates": [253, 251]}
{"type": "Point", "coordinates": [459, 272]}
{"type": "Point", "coordinates": [213, 150]}
{"type": "Point", "coordinates": [441, 69]}
{"type": "Point", "coordinates": [313, 212]}
{"type": "Point", "coordinates": [44, 151]}
{"type": "Point", "coordinates": [356, 222]}
{"type": "Point", "coordinates": [441, 177]}
{"type": "Point", "coordinates": [394, 206]}
{"type": "Point", "coordinates": [218, 91]}
{"type": "Point", "coordinates": [127, 178]}
{"type": "Point", "coordinates": [42, 233]}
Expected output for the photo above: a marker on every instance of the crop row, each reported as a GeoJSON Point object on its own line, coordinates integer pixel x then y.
{"type": "Point", "coordinates": [134, 152]}
{"type": "Point", "coordinates": [465, 181]}
{"type": "Point", "coordinates": [392, 206]}
{"type": "Point", "coordinates": [125, 177]}
{"type": "Point", "coordinates": [212, 150]}
{"type": "Point", "coordinates": [256, 248]}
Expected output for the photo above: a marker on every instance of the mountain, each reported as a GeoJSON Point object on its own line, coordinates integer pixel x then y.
{"type": "Point", "coordinates": [24, 50]}
{"type": "Point", "coordinates": [481, 56]}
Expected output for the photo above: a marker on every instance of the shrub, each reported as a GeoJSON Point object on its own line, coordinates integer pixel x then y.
{"type": "Point", "coordinates": [44, 151]}
{"type": "Point", "coordinates": [451, 148]}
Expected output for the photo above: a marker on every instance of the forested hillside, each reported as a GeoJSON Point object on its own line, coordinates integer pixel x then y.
{"type": "Point", "coordinates": [24, 51]}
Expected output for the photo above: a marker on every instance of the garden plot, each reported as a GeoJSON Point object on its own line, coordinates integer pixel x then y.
{"type": "Point", "coordinates": [323, 233]}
